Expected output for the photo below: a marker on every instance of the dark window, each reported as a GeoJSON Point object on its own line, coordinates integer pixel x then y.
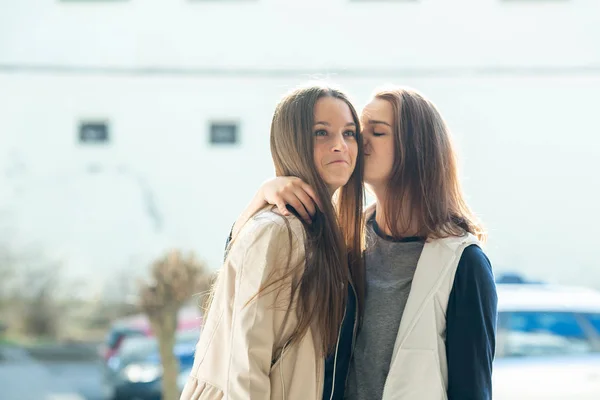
{"type": "Point", "coordinates": [542, 333]}
{"type": "Point", "coordinates": [93, 132]}
{"type": "Point", "coordinates": [223, 133]}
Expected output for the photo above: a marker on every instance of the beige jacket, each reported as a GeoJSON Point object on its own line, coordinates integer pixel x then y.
{"type": "Point", "coordinates": [243, 353]}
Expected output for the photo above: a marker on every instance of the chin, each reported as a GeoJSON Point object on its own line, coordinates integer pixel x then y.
{"type": "Point", "coordinates": [368, 179]}
{"type": "Point", "coordinates": [373, 180]}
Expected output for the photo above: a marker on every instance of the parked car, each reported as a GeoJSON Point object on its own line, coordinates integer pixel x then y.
{"type": "Point", "coordinates": [135, 371]}
{"type": "Point", "coordinates": [138, 325]}
{"type": "Point", "coordinates": [116, 336]}
{"type": "Point", "coordinates": [548, 343]}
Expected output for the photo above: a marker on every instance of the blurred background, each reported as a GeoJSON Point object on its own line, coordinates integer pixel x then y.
{"type": "Point", "coordinates": [133, 133]}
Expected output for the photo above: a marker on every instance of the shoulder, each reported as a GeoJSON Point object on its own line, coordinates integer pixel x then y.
{"type": "Point", "coordinates": [270, 222]}
{"type": "Point", "coordinates": [474, 272]}
{"type": "Point", "coordinates": [474, 256]}
{"type": "Point", "coordinates": [270, 231]}
{"type": "Point", "coordinates": [467, 248]}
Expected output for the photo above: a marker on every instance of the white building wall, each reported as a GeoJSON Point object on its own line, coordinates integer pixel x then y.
{"type": "Point", "coordinates": [519, 83]}
{"type": "Point", "coordinates": [315, 34]}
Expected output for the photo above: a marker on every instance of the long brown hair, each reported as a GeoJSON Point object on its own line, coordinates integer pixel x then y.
{"type": "Point", "coordinates": [424, 178]}
{"type": "Point", "coordinates": [335, 238]}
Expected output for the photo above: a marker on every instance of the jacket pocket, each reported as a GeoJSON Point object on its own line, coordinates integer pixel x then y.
{"type": "Point", "coordinates": [415, 375]}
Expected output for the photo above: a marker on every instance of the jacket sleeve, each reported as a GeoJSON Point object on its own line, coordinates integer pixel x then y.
{"type": "Point", "coordinates": [471, 328]}
{"type": "Point", "coordinates": [253, 327]}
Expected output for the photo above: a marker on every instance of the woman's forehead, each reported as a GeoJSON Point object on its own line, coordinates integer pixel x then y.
{"type": "Point", "coordinates": [377, 110]}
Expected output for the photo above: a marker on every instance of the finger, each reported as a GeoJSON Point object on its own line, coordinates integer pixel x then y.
{"type": "Point", "coordinates": [295, 202]}
{"type": "Point", "coordinates": [281, 206]}
{"type": "Point", "coordinates": [307, 201]}
{"type": "Point", "coordinates": [309, 190]}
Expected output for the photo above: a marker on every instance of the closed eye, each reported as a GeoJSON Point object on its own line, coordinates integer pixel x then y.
{"type": "Point", "coordinates": [377, 134]}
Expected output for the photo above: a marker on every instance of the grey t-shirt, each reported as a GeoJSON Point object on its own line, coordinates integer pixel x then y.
{"type": "Point", "coordinates": [390, 267]}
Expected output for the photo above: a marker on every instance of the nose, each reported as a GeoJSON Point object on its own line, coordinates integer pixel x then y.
{"type": "Point", "coordinates": [339, 143]}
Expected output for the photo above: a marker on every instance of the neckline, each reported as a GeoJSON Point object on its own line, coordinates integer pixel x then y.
{"type": "Point", "coordinates": [378, 232]}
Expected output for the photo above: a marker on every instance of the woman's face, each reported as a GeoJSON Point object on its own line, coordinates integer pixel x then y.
{"type": "Point", "coordinates": [377, 120]}
{"type": "Point", "coordinates": [335, 147]}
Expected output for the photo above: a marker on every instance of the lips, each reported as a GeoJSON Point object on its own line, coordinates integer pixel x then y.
{"type": "Point", "coordinates": [338, 162]}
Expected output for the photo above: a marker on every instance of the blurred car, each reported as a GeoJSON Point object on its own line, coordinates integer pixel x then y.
{"type": "Point", "coordinates": [138, 325]}
{"type": "Point", "coordinates": [135, 371]}
{"type": "Point", "coordinates": [117, 334]}
{"type": "Point", "coordinates": [548, 343]}
{"type": "Point", "coordinates": [513, 277]}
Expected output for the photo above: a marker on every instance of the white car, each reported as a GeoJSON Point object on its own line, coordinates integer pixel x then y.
{"type": "Point", "coordinates": [548, 343]}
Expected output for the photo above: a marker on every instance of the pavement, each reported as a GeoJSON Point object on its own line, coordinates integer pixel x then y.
{"type": "Point", "coordinates": [23, 377]}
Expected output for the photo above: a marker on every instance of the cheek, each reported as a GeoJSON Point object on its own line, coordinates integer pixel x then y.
{"type": "Point", "coordinates": [389, 155]}
{"type": "Point", "coordinates": [386, 161]}
{"type": "Point", "coordinates": [382, 159]}
{"type": "Point", "coordinates": [317, 154]}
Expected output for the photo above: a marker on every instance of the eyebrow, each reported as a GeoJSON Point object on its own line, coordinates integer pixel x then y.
{"type": "Point", "coordinates": [375, 122]}
{"type": "Point", "coordinates": [328, 124]}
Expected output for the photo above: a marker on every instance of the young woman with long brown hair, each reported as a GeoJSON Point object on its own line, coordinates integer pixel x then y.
{"type": "Point", "coordinates": [429, 320]}
{"type": "Point", "coordinates": [284, 309]}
